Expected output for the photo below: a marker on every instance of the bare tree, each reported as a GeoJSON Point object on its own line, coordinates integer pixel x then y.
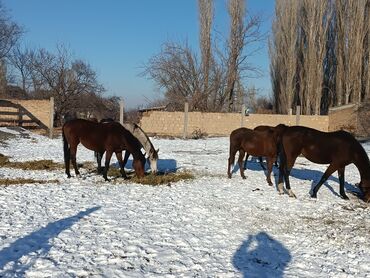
{"type": "Point", "coordinates": [66, 79]}
{"type": "Point", "coordinates": [315, 23]}
{"type": "Point", "coordinates": [283, 53]}
{"type": "Point", "coordinates": [243, 31]}
{"type": "Point", "coordinates": [9, 35]}
{"type": "Point", "coordinates": [9, 32]}
{"type": "Point", "coordinates": [20, 59]}
{"type": "Point", "coordinates": [236, 9]}
{"type": "Point", "coordinates": [176, 70]}
{"type": "Point", "coordinates": [205, 18]}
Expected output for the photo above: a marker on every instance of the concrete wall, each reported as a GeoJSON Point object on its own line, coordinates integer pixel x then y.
{"type": "Point", "coordinates": [219, 124]}
{"type": "Point", "coordinates": [39, 108]}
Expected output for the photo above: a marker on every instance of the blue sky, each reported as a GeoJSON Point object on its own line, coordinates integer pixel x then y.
{"type": "Point", "coordinates": [116, 37]}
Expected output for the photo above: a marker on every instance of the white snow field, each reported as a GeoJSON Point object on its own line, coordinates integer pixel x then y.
{"type": "Point", "coordinates": [210, 226]}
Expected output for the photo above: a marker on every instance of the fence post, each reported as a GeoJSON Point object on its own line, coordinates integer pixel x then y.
{"type": "Point", "coordinates": [20, 116]}
{"type": "Point", "coordinates": [51, 118]}
{"type": "Point", "coordinates": [298, 115]}
{"type": "Point", "coordinates": [186, 119]}
{"type": "Point", "coordinates": [242, 114]}
{"type": "Point", "coordinates": [121, 107]}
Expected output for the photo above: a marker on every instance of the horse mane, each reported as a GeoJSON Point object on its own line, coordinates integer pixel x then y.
{"type": "Point", "coordinates": [142, 138]}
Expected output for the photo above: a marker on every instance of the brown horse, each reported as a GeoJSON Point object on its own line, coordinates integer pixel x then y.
{"type": "Point", "coordinates": [261, 128]}
{"type": "Point", "coordinates": [108, 137]}
{"type": "Point", "coordinates": [338, 149]}
{"type": "Point", "coordinates": [256, 143]}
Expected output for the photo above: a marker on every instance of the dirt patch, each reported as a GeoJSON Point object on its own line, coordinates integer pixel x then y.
{"type": "Point", "coordinates": [30, 165]}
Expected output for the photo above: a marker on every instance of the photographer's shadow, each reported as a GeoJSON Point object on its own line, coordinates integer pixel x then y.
{"type": "Point", "coordinates": [261, 256]}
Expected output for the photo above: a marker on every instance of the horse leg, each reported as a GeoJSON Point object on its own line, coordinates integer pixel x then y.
{"type": "Point", "coordinates": [67, 161]}
{"type": "Point", "coordinates": [121, 164]}
{"type": "Point", "coordinates": [331, 169]}
{"type": "Point", "coordinates": [245, 161]}
{"type": "Point", "coordinates": [341, 183]}
{"type": "Point", "coordinates": [261, 163]}
{"type": "Point", "coordinates": [231, 162]}
{"type": "Point", "coordinates": [240, 162]}
{"type": "Point", "coordinates": [125, 159]}
{"type": "Point", "coordinates": [286, 166]}
{"type": "Point", "coordinates": [270, 162]}
{"type": "Point", "coordinates": [99, 156]}
{"type": "Point", "coordinates": [108, 156]}
{"type": "Point", "coordinates": [73, 151]}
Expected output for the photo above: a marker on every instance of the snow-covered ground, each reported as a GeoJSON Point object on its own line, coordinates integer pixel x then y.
{"type": "Point", "coordinates": [211, 226]}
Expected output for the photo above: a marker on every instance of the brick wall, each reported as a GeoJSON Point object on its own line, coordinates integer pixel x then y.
{"type": "Point", "coordinates": [39, 108]}
{"type": "Point", "coordinates": [219, 124]}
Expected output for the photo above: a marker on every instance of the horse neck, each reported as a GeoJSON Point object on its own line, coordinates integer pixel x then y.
{"type": "Point", "coordinates": [141, 137]}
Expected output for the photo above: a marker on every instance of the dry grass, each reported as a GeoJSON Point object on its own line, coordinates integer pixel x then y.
{"type": "Point", "coordinates": [30, 165]}
{"type": "Point", "coordinates": [149, 179]}
{"type": "Point", "coordinates": [163, 178]}
{"type": "Point", "coordinates": [6, 182]}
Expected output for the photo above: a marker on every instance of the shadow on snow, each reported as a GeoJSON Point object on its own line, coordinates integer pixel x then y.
{"type": "Point", "coordinates": [163, 165]}
{"type": "Point", "coordinates": [261, 256]}
{"type": "Point", "coordinates": [37, 242]}
{"type": "Point", "coordinates": [302, 174]}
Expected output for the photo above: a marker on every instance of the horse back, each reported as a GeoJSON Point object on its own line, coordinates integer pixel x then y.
{"type": "Point", "coordinates": [320, 147]}
{"type": "Point", "coordinates": [254, 142]}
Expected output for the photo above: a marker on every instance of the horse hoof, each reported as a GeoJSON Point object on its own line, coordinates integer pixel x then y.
{"type": "Point", "coordinates": [313, 196]}
{"type": "Point", "coordinates": [244, 178]}
{"type": "Point", "coordinates": [229, 176]}
{"type": "Point", "coordinates": [344, 197]}
{"type": "Point", "coordinates": [291, 194]}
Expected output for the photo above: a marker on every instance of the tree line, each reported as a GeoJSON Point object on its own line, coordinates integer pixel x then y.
{"type": "Point", "coordinates": [319, 54]}
{"type": "Point", "coordinates": [39, 73]}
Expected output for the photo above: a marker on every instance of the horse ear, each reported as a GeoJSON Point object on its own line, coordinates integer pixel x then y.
{"type": "Point", "coordinates": [157, 150]}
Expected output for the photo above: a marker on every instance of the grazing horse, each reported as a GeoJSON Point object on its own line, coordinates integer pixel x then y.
{"type": "Point", "coordinates": [145, 143]}
{"type": "Point", "coordinates": [141, 139]}
{"type": "Point", "coordinates": [256, 143]}
{"type": "Point", "coordinates": [109, 137]}
{"type": "Point", "coordinates": [338, 149]}
{"type": "Point", "coordinates": [261, 128]}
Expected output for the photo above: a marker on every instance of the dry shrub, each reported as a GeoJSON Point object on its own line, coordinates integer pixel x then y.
{"type": "Point", "coordinates": [198, 134]}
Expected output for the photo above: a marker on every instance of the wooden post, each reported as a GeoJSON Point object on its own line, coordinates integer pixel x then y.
{"type": "Point", "coordinates": [242, 115]}
{"type": "Point", "coordinates": [298, 115]}
{"type": "Point", "coordinates": [20, 116]}
{"type": "Point", "coordinates": [51, 122]}
{"type": "Point", "coordinates": [186, 119]}
{"type": "Point", "coordinates": [121, 109]}
{"type": "Point", "coordinates": [290, 111]}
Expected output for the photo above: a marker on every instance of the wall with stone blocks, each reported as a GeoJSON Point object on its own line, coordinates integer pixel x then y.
{"type": "Point", "coordinates": [219, 124]}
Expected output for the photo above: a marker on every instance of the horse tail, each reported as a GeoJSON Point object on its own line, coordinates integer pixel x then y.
{"type": "Point", "coordinates": [66, 150]}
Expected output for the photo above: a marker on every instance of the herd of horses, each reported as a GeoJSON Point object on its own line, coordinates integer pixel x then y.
{"type": "Point", "coordinates": [338, 149]}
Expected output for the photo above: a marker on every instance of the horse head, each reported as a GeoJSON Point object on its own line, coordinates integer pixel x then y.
{"type": "Point", "coordinates": [365, 189]}
{"type": "Point", "coordinates": [153, 159]}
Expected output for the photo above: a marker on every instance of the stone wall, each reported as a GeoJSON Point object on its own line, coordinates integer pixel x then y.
{"type": "Point", "coordinates": [39, 108]}
{"type": "Point", "coordinates": [219, 124]}
{"type": "Point", "coordinates": [353, 118]}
